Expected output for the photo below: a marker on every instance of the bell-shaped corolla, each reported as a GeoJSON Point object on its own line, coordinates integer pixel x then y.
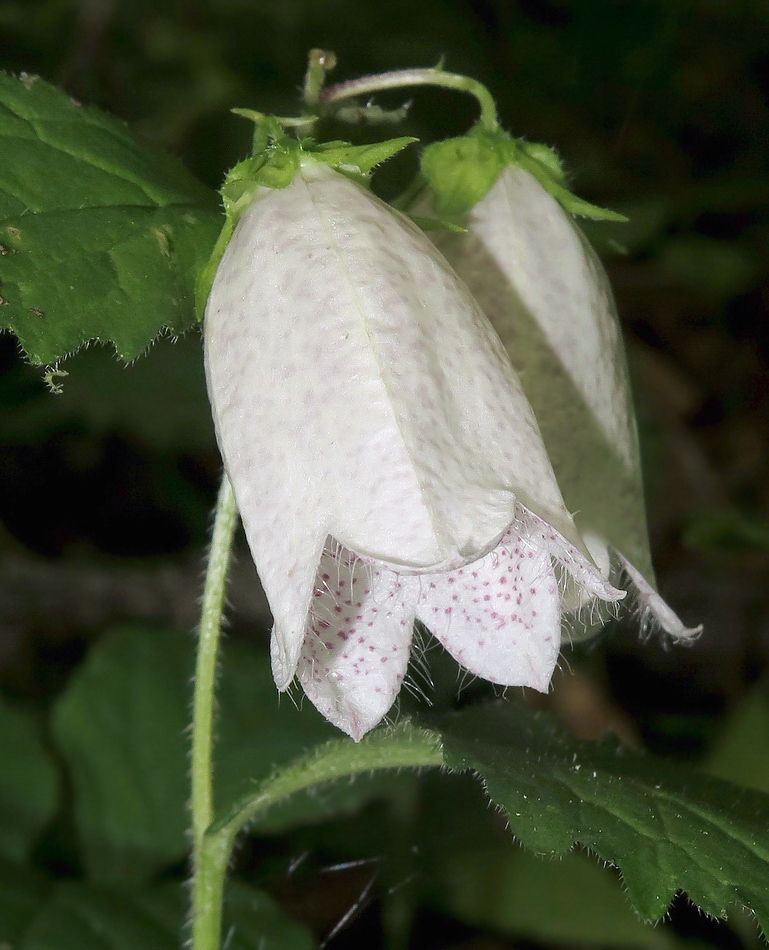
{"type": "Point", "coordinates": [385, 460]}
{"type": "Point", "coordinates": [545, 292]}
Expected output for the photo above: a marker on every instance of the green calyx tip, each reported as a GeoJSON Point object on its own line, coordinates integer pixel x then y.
{"type": "Point", "coordinates": [544, 165]}
{"type": "Point", "coordinates": [357, 160]}
{"type": "Point", "coordinates": [275, 159]}
{"type": "Point", "coordinates": [277, 155]}
{"type": "Point", "coordinates": [460, 171]}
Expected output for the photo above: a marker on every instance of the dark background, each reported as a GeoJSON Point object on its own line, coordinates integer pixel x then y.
{"type": "Point", "coordinates": [659, 110]}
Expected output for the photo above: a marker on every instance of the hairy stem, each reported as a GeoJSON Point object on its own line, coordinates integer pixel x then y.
{"type": "Point", "coordinates": [401, 746]}
{"type": "Point", "coordinates": [367, 85]}
{"type": "Point", "coordinates": [208, 865]}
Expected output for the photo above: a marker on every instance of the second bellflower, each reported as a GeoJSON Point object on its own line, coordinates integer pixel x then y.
{"type": "Point", "coordinates": [385, 460]}
{"type": "Point", "coordinates": [544, 290]}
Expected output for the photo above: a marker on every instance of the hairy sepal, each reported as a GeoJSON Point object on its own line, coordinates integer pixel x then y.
{"type": "Point", "coordinates": [461, 171]}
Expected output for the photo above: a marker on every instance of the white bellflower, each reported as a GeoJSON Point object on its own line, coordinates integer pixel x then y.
{"type": "Point", "coordinates": [547, 295]}
{"type": "Point", "coordinates": [385, 460]}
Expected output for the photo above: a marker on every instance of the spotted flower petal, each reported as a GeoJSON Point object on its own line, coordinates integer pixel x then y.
{"type": "Point", "coordinates": [356, 649]}
{"type": "Point", "coordinates": [499, 617]}
{"type": "Point", "coordinates": [547, 295]}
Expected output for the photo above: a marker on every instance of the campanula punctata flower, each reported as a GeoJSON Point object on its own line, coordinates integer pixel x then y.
{"type": "Point", "coordinates": [385, 458]}
{"type": "Point", "coordinates": [547, 295]}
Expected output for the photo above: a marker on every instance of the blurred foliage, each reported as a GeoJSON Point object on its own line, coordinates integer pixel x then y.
{"type": "Point", "coordinates": [660, 109]}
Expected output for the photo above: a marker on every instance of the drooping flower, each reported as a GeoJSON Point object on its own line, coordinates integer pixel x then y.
{"type": "Point", "coordinates": [385, 460]}
{"type": "Point", "coordinates": [547, 295]}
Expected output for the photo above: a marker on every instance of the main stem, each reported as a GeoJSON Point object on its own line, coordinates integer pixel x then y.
{"type": "Point", "coordinates": [207, 866]}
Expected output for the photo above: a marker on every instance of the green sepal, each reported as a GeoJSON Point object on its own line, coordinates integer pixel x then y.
{"type": "Point", "coordinates": [358, 160]}
{"type": "Point", "coordinates": [275, 160]}
{"type": "Point", "coordinates": [460, 171]}
{"type": "Point", "coordinates": [273, 164]}
{"type": "Point", "coordinates": [542, 162]}
{"type": "Point", "coordinates": [273, 169]}
{"type": "Point", "coordinates": [436, 224]}
{"type": "Point", "coordinates": [278, 159]}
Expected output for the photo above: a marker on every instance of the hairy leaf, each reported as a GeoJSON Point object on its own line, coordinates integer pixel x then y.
{"type": "Point", "coordinates": [473, 871]}
{"type": "Point", "coordinates": [100, 236]}
{"type": "Point", "coordinates": [666, 828]}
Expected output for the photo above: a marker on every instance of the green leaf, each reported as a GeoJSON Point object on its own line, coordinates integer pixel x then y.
{"type": "Point", "coordinates": [100, 236]}
{"type": "Point", "coordinates": [84, 917]}
{"type": "Point", "coordinates": [28, 783]}
{"type": "Point", "coordinates": [741, 753]}
{"type": "Point", "coordinates": [80, 917]}
{"type": "Point", "coordinates": [665, 828]}
{"type": "Point", "coordinates": [471, 870]}
{"type": "Point", "coordinates": [121, 727]}
{"type": "Point", "coordinates": [22, 893]}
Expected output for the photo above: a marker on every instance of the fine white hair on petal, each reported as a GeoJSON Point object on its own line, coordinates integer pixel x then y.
{"type": "Point", "coordinates": [418, 681]}
{"type": "Point", "coordinates": [587, 613]}
{"type": "Point", "coordinates": [499, 617]}
{"type": "Point", "coordinates": [586, 574]}
{"type": "Point", "coordinates": [654, 610]}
